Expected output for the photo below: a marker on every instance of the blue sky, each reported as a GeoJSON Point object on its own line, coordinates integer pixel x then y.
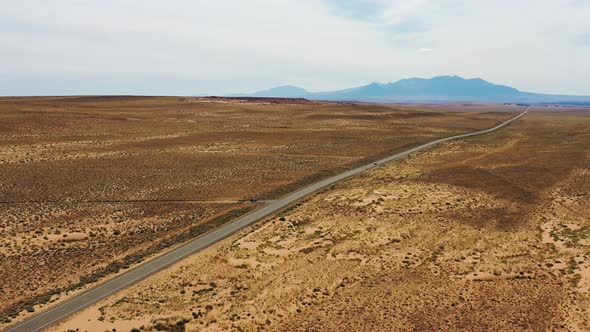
{"type": "Point", "coordinates": [186, 47]}
{"type": "Point", "coordinates": [357, 9]}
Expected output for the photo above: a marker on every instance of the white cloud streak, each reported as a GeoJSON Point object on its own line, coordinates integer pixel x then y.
{"type": "Point", "coordinates": [221, 46]}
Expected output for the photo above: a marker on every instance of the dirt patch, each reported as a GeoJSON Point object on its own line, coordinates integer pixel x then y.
{"type": "Point", "coordinates": [486, 180]}
{"type": "Point", "coordinates": [376, 116]}
{"type": "Point", "coordinates": [254, 100]}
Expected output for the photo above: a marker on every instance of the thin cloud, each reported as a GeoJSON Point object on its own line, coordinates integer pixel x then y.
{"type": "Point", "coordinates": [400, 11]}
{"type": "Point", "coordinates": [228, 46]}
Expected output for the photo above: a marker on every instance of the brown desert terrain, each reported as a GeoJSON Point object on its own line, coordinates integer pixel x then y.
{"type": "Point", "coordinates": [90, 186]}
{"type": "Point", "coordinates": [487, 233]}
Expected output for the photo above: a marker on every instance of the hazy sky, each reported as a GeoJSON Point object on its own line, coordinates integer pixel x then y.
{"type": "Point", "coordinates": [186, 47]}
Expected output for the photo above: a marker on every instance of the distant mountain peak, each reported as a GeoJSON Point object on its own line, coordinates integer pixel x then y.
{"type": "Point", "coordinates": [444, 88]}
{"type": "Point", "coordinates": [288, 91]}
{"type": "Point", "coordinates": [287, 86]}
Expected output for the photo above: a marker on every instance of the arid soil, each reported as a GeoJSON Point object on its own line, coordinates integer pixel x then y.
{"type": "Point", "coordinates": [486, 234]}
{"type": "Point", "coordinates": [92, 185]}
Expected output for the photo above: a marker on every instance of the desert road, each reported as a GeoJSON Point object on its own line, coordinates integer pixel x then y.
{"type": "Point", "coordinates": [150, 267]}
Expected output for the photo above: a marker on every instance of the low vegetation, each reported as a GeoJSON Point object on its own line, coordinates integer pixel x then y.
{"type": "Point", "coordinates": [90, 186]}
{"type": "Point", "coordinates": [481, 234]}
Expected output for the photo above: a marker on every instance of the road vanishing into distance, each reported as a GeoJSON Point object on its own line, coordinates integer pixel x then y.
{"type": "Point", "coordinates": [152, 266]}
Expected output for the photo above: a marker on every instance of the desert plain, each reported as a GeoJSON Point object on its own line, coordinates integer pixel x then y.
{"type": "Point", "coordinates": [486, 233]}
{"type": "Point", "coordinates": [90, 186]}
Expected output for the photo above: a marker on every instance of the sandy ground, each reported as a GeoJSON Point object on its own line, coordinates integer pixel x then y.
{"type": "Point", "coordinates": [488, 234]}
{"type": "Point", "coordinates": [93, 185]}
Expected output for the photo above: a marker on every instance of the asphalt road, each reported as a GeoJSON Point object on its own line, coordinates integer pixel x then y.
{"type": "Point", "coordinates": [134, 275]}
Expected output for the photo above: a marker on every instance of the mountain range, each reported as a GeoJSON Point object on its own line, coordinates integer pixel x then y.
{"type": "Point", "coordinates": [436, 89]}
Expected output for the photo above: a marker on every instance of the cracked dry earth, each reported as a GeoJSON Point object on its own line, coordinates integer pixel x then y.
{"type": "Point", "coordinates": [490, 233]}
